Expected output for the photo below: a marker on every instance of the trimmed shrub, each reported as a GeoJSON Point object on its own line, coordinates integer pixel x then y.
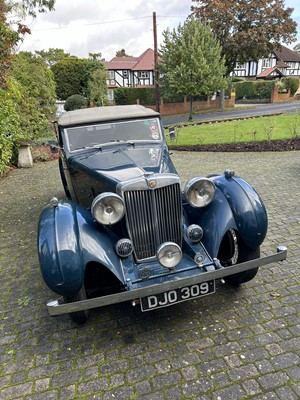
{"type": "Point", "coordinates": [125, 96]}
{"type": "Point", "coordinates": [75, 102]}
{"type": "Point", "coordinates": [292, 84]}
{"type": "Point", "coordinates": [258, 90]}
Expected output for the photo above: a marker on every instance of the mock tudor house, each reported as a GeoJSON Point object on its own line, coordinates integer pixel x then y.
{"type": "Point", "coordinates": [283, 62]}
{"type": "Point", "coordinates": [127, 71]}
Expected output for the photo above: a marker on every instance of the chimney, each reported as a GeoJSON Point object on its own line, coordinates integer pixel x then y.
{"type": "Point", "coordinates": [123, 53]}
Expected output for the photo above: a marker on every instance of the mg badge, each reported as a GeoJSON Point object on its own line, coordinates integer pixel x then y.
{"type": "Point", "coordinates": [152, 184]}
{"type": "Point", "coordinates": [144, 273]}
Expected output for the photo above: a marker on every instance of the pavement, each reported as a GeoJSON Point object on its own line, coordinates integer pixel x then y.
{"type": "Point", "coordinates": [235, 344]}
{"type": "Point", "coordinates": [240, 111]}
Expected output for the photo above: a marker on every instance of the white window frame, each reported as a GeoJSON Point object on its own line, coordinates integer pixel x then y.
{"type": "Point", "coordinates": [144, 74]}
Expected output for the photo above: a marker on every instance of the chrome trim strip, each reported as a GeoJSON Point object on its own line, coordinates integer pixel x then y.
{"type": "Point", "coordinates": [57, 309]}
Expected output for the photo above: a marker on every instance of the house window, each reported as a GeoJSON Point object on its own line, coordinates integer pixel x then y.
{"type": "Point", "coordinates": [110, 75]}
{"type": "Point", "coordinates": [125, 74]}
{"type": "Point", "coordinates": [266, 63]}
{"type": "Point", "coordinates": [240, 66]}
{"type": "Point", "coordinates": [143, 74]}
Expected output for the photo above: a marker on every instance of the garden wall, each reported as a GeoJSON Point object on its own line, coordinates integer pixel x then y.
{"type": "Point", "coordinates": [184, 108]}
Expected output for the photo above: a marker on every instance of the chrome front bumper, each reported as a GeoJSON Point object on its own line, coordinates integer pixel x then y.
{"type": "Point", "coordinates": [54, 308]}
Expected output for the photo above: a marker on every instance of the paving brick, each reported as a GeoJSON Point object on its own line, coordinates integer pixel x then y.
{"type": "Point", "coordinates": [236, 344]}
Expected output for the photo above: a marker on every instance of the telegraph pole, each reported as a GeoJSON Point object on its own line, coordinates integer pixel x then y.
{"type": "Point", "coordinates": [156, 74]}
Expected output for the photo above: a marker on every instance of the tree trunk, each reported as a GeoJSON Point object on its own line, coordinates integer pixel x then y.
{"type": "Point", "coordinates": [191, 109]}
{"type": "Point", "coordinates": [222, 100]}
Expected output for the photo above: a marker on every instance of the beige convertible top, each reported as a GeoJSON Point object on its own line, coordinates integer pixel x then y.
{"type": "Point", "coordinates": [101, 114]}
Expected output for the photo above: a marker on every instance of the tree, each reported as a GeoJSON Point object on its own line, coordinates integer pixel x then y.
{"type": "Point", "coordinates": [98, 88]}
{"type": "Point", "coordinates": [247, 30]}
{"type": "Point", "coordinates": [52, 55]}
{"type": "Point", "coordinates": [36, 104]}
{"type": "Point", "coordinates": [9, 123]}
{"type": "Point", "coordinates": [30, 7]}
{"type": "Point", "coordinates": [190, 62]}
{"type": "Point", "coordinates": [8, 39]}
{"type": "Point", "coordinates": [72, 75]}
{"type": "Point", "coordinates": [96, 56]}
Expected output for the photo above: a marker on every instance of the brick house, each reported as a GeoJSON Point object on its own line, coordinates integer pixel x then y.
{"type": "Point", "coordinates": [127, 71]}
{"type": "Point", "coordinates": [283, 62]}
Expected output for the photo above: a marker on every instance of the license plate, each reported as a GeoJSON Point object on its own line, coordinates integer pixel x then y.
{"type": "Point", "coordinates": [177, 295]}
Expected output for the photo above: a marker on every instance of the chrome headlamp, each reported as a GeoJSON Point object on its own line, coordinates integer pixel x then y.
{"type": "Point", "coordinates": [108, 208]}
{"type": "Point", "coordinates": [199, 192]}
{"type": "Point", "coordinates": [169, 254]}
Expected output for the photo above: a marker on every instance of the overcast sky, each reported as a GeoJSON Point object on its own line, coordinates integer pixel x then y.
{"type": "Point", "coordinates": [81, 27]}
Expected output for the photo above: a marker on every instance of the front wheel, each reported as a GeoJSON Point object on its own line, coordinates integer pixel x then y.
{"type": "Point", "coordinates": [234, 251]}
{"type": "Point", "coordinates": [80, 317]}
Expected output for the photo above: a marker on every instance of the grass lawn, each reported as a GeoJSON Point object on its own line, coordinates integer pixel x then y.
{"type": "Point", "coordinates": [285, 126]}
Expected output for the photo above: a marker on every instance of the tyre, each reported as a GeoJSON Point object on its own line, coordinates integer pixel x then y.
{"type": "Point", "coordinates": [234, 251]}
{"type": "Point", "coordinates": [80, 317]}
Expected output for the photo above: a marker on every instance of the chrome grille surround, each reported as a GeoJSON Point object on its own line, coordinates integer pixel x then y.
{"type": "Point", "coordinates": [153, 206]}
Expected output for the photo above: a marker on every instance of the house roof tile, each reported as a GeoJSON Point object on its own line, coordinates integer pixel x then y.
{"type": "Point", "coordinates": [267, 72]}
{"type": "Point", "coordinates": [287, 55]}
{"type": "Point", "coordinates": [145, 62]}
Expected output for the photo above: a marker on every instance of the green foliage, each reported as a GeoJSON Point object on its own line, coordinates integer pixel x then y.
{"type": "Point", "coordinates": [72, 75]}
{"type": "Point", "coordinates": [8, 39]}
{"type": "Point", "coordinates": [98, 88]}
{"type": "Point", "coordinates": [292, 84]}
{"type": "Point", "coordinates": [191, 62]}
{"type": "Point", "coordinates": [260, 90]}
{"type": "Point", "coordinates": [36, 103]}
{"type": "Point", "coordinates": [124, 96]}
{"type": "Point", "coordinates": [9, 124]}
{"type": "Point", "coordinates": [32, 7]}
{"type": "Point", "coordinates": [75, 102]}
{"type": "Point", "coordinates": [52, 55]}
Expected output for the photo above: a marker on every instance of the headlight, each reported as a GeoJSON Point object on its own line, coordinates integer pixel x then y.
{"type": "Point", "coordinates": [108, 208]}
{"type": "Point", "coordinates": [199, 192]}
{"type": "Point", "coordinates": [169, 254]}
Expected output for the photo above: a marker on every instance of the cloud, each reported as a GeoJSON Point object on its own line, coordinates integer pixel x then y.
{"type": "Point", "coordinates": [106, 26]}
{"type": "Point", "coordinates": [83, 26]}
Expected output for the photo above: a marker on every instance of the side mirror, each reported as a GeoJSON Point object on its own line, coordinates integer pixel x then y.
{"type": "Point", "coordinates": [172, 133]}
{"type": "Point", "coordinates": [53, 146]}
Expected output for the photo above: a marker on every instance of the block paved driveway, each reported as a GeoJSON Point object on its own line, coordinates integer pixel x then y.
{"type": "Point", "coordinates": [236, 344]}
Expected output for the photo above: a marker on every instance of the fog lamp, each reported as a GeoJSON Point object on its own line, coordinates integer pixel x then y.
{"type": "Point", "coordinates": [124, 247]}
{"type": "Point", "coordinates": [108, 208]}
{"type": "Point", "coordinates": [199, 192]}
{"type": "Point", "coordinates": [169, 254]}
{"type": "Point", "coordinates": [194, 233]}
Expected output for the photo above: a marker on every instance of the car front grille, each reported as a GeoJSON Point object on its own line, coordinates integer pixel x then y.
{"type": "Point", "coordinates": [153, 217]}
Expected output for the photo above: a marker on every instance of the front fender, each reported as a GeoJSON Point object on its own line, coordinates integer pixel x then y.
{"type": "Point", "coordinates": [236, 205]}
{"type": "Point", "coordinates": [247, 207]}
{"type": "Point", "coordinates": [68, 239]}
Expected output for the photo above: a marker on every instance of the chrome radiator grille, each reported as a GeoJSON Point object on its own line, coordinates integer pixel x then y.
{"type": "Point", "coordinates": [153, 217]}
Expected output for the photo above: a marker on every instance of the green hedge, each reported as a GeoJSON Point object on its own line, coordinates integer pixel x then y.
{"type": "Point", "coordinates": [291, 83]}
{"type": "Point", "coordinates": [260, 90]}
{"type": "Point", "coordinates": [125, 96]}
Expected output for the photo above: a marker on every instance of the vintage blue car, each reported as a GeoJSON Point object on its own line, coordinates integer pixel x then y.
{"type": "Point", "coordinates": [128, 231]}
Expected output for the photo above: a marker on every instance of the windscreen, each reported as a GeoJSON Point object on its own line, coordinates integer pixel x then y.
{"type": "Point", "coordinates": [89, 136]}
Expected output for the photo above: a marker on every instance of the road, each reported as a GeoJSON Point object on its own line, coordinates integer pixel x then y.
{"type": "Point", "coordinates": [236, 344]}
{"type": "Point", "coordinates": [253, 110]}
